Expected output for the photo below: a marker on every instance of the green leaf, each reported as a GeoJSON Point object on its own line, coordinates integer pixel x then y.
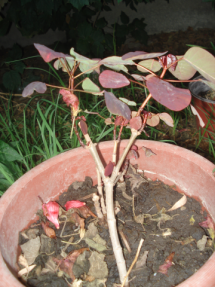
{"type": "Point", "coordinates": [150, 64]}
{"type": "Point", "coordinates": [129, 103]}
{"type": "Point", "coordinates": [5, 184]}
{"type": "Point", "coordinates": [202, 61]}
{"type": "Point", "coordinates": [6, 173]}
{"type": "Point", "coordinates": [19, 67]}
{"type": "Point", "coordinates": [11, 80]}
{"type": "Point", "coordinates": [78, 4]}
{"type": "Point", "coordinates": [89, 86]}
{"type": "Point", "coordinates": [183, 70]}
{"type": "Point", "coordinates": [7, 153]}
{"type": "Point", "coordinates": [124, 18]}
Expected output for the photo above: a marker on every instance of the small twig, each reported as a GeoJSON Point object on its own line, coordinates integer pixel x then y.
{"type": "Point", "coordinates": [125, 240]}
{"type": "Point", "coordinates": [97, 205]}
{"type": "Point", "coordinates": [63, 225]}
{"type": "Point", "coordinates": [99, 187]}
{"type": "Point", "coordinates": [132, 265]}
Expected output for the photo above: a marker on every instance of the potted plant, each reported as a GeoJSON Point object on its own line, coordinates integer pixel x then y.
{"type": "Point", "coordinates": [204, 104]}
{"type": "Point", "coordinates": [183, 68]}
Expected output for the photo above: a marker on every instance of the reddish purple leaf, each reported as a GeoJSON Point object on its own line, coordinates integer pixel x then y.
{"type": "Point", "coordinates": [168, 263]}
{"type": "Point", "coordinates": [34, 86]}
{"type": "Point", "coordinates": [138, 55]}
{"type": "Point", "coordinates": [83, 127]}
{"type": "Point", "coordinates": [69, 98]}
{"type": "Point", "coordinates": [110, 79]}
{"type": "Point", "coordinates": [48, 54]}
{"type": "Point", "coordinates": [136, 123]}
{"type": "Point", "coordinates": [168, 60]}
{"type": "Point", "coordinates": [116, 106]}
{"type": "Point", "coordinates": [109, 168]}
{"type": "Point", "coordinates": [173, 98]}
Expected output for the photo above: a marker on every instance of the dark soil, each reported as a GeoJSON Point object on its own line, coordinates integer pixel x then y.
{"type": "Point", "coordinates": [165, 233]}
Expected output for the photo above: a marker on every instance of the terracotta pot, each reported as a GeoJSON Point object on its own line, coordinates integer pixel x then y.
{"type": "Point", "coordinates": [191, 173]}
{"type": "Point", "coordinates": [205, 108]}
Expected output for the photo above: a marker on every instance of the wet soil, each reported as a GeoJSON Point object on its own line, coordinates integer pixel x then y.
{"type": "Point", "coordinates": [166, 233]}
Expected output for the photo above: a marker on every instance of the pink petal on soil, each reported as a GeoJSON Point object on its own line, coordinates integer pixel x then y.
{"type": "Point", "coordinates": [74, 204]}
{"type": "Point", "coordinates": [51, 211]}
{"type": "Point", "coordinates": [208, 223]}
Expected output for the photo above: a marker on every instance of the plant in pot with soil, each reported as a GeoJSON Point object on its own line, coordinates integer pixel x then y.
{"type": "Point", "coordinates": [182, 67]}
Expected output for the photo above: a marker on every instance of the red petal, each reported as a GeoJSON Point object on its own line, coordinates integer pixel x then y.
{"type": "Point", "coordinates": [74, 204]}
{"type": "Point", "coordinates": [51, 211]}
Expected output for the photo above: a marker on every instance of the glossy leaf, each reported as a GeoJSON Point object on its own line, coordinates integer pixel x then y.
{"type": "Point", "coordinates": [138, 77]}
{"type": "Point", "coordinates": [117, 107]}
{"type": "Point", "coordinates": [48, 54]}
{"type": "Point", "coordinates": [110, 79]}
{"type": "Point", "coordinates": [183, 70]}
{"type": "Point", "coordinates": [63, 63]}
{"type": "Point", "coordinates": [39, 87]}
{"type": "Point", "coordinates": [80, 58]}
{"type": "Point", "coordinates": [109, 168]}
{"type": "Point", "coordinates": [153, 120]}
{"type": "Point", "coordinates": [140, 55]}
{"type": "Point", "coordinates": [167, 119]}
{"type": "Point", "coordinates": [129, 103]}
{"type": "Point", "coordinates": [202, 61]}
{"type": "Point", "coordinates": [173, 98]}
{"type": "Point", "coordinates": [89, 67]}
{"type": "Point", "coordinates": [135, 123]}
{"type": "Point", "coordinates": [150, 64]}
{"type": "Point", "coordinates": [89, 86]}
{"type": "Point", "coordinates": [115, 60]}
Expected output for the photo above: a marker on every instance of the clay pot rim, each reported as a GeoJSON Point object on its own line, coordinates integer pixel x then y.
{"type": "Point", "coordinates": [192, 84]}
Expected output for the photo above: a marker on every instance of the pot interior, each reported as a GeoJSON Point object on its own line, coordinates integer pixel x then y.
{"type": "Point", "coordinates": [190, 173]}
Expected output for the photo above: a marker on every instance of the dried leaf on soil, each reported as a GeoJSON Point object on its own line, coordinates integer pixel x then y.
{"type": "Point", "coordinates": [66, 264]}
{"type": "Point", "coordinates": [31, 249]}
{"type": "Point", "coordinates": [97, 246]}
{"type": "Point", "coordinates": [202, 242]}
{"type": "Point", "coordinates": [26, 270]}
{"type": "Point", "coordinates": [142, 261]}
{"type": "Point", "coordinates": [98, 267]}
{"type": "Point", "coordinates": [179, 203]}
{"type": "Point", "coordinates": [48, 230]}
{"type": "Point", "coordinates": [148, 151]}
